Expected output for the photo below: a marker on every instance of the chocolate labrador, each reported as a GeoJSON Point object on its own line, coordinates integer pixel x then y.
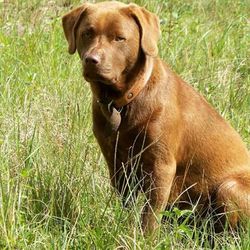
{"type": "Point", "coordinates": [157, 134]}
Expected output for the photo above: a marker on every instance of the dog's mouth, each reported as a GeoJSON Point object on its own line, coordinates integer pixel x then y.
{"type": "Point", "coordinates": [99, 79]}
{"type": "Point", "coordinates": [103, 82]}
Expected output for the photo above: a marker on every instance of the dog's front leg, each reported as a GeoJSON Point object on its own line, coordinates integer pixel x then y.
{"type": "Point", "coordinates": [158, 187]}
{"type": "Point", "coordinates": [121, 177]}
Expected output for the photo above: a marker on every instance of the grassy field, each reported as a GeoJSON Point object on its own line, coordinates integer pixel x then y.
{"type": "Point", "coordinates": [54, 186]}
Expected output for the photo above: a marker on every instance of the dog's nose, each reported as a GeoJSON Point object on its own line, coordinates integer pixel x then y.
{"type": "Point", "coordinates": [92, 59]}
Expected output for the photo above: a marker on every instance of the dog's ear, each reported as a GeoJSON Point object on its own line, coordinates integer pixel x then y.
{"type": "Point", "coordinates": [149, 28]}
{"type": "Point", "coordinates": [70, 22]}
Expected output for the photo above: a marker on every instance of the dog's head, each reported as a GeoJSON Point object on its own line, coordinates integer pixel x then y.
{"type": "Point", "coordinates": [111, 38]}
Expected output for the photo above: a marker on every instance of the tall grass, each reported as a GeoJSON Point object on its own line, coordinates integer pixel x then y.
{"type": "Point", "coordinates": [54, 185]}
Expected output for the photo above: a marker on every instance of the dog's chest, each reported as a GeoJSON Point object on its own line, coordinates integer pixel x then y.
{"type": "Point", "coordinates": [126, 144]}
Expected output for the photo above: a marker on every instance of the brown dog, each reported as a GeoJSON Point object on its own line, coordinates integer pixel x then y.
{"type": "Point", "coordinates": [157, 134]}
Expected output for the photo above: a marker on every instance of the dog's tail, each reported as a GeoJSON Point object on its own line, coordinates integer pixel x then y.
{"type": "Point", "coordinates": [234, 195]}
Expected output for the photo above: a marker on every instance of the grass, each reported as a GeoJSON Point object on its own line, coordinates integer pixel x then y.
{"type": "Point", "coordinates": [54, 185]}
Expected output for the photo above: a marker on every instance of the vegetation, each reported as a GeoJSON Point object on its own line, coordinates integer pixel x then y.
{"type": "Point", "coordinates": [54, 185]}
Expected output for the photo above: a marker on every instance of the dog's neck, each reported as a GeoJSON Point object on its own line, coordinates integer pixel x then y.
{"type": "Point", "coordinates": [137, 84]}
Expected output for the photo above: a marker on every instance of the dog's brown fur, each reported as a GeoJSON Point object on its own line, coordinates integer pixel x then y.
{"type": "Point", "coordinates": [176, 147]}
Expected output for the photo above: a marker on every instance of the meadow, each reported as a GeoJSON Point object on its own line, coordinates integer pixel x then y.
{"type": "Point", "coordinates": [54, 185]}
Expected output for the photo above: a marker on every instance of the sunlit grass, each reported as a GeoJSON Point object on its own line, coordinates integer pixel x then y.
{"type": "Point", "coordinates": [54, 185]}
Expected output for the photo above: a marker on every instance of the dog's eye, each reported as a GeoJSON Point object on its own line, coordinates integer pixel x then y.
{"type": "Point", "coordinates": [87, 33]}
{"type": "Point", "coordinates": [119, 39]}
